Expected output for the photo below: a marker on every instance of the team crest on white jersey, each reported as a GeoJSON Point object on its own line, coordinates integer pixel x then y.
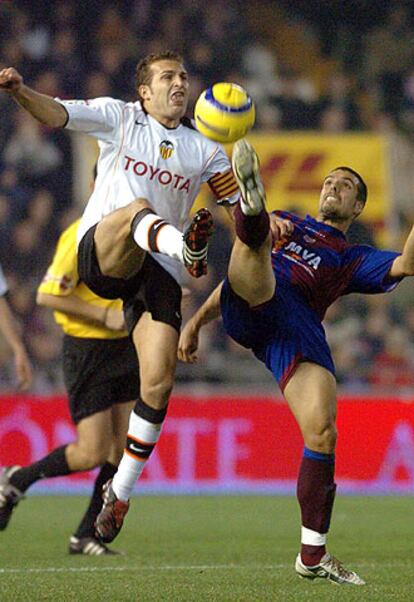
{"type": "Point", "coordinates": [166, 149]}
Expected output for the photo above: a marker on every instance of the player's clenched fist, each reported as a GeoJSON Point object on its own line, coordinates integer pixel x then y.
{"type": "Point", "coordinates": [10, 80]}
{"type": "Point", "coordinates": [280, 228]}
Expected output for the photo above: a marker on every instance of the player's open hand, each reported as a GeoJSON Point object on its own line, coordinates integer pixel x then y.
{"type": "Point", "coordinates": [114, 319]}
{"type": "Point", "coordinates": [23, 369]}
{"type": "Point", "coordinates": [10, 80]}
{"type": "Point", "coordinates": [280, 228]}
{"type": "Point", "coordinates": [188, 344]}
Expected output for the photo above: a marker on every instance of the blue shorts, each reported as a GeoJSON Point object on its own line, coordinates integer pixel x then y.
{"type": "Point", "coordinates": [281, 332]}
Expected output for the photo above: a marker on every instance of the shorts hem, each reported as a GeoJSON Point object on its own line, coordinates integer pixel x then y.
{"type": "Point", "coordinates": [290, 371]}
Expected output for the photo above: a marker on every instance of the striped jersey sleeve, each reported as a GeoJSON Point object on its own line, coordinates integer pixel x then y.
{"type": "Point", "coordinates": [224, 185]}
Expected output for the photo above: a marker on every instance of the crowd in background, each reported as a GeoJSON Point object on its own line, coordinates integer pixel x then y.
{"type": "Point", "coordinates": [72, 49]}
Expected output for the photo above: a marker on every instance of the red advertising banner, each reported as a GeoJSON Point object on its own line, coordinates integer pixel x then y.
{"type": "Point", "coordinates": [225, 444]}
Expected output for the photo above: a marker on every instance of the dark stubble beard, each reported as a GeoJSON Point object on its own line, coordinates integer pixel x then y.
{"type": "Point", "coordinates": [332, 215]}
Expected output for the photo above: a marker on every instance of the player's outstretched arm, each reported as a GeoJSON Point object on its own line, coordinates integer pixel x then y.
{"type": "Point", "coordinates": [404, 264]}
{"type": "Point", "coordinates": [44, 108]}
{"type": "Point", "coordinates": [188, 343]}
{"type": "Point", "coordinates": [109, 317]}
{"type": "Point", "coordinates": [9, 330]}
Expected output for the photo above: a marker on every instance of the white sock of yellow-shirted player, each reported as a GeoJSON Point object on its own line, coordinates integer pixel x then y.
{"type": "Point", "coordinates": [153, 233]}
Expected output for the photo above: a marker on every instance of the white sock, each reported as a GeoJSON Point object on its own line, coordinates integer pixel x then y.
{"type": "Point", "coordinates": [130, 468]}
{"type": "Point", "coordinates": [312, 538]}
{"type": "Point", "coordinates": [153, 233]}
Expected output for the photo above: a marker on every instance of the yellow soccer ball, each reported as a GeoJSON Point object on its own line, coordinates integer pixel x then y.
{"type": "Point", "coordinates": [224, 112]}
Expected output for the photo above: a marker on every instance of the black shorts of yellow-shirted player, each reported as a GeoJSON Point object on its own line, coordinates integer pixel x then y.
{"type": "Point", "coordinates": [128, 248]}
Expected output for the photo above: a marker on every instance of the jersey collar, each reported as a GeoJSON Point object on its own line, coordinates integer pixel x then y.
{"type": "Point", "coordinates": [325, 227]}
{"type": "Point", "coordinates": [161, 127]}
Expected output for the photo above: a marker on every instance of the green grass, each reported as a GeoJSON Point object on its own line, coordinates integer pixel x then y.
{"type": "Point", "coordinates": [206, 548]}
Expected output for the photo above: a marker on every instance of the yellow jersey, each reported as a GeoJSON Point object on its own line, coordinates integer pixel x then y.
{"type": "Point", "coordinates": [62, 279]}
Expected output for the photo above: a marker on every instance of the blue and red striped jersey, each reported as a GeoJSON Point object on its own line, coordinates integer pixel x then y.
{"type": "Point", "coordinates": [318, 264]}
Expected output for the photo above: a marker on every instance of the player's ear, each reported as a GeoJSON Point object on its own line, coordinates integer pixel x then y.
{"type": "Point", "coordinates": [359, 205]}
{"type": "Point", "coordinates": [144, 91]}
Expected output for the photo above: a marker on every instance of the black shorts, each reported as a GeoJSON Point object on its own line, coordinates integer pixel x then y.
{"type": "Point", "coordinates": [152, 289]}
{"type": "Point", "coordinates": [99, 373]}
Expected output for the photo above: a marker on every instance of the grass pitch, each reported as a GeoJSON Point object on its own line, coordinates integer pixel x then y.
{"type": "Point", "coordinates": [206, 548]}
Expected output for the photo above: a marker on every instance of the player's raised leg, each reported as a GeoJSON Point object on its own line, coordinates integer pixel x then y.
{"type": "Point", "coordinates": [311, 395]}
{"type": "Point", "coordinates": [156, 344]}
{"type": "Point", "coordinates": [250, 271]}
{"type": "Point", "coordinates": [122, 237]}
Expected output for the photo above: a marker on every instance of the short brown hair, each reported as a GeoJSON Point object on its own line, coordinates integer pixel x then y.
{"type": "Point", "coordinates": [143, 73]}
{"type": "Point", "coordinates": [362, 188]}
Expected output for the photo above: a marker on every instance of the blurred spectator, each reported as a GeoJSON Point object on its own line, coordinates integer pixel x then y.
{"type": "Point", "coordinates": [33, 36]}
{"type": "Point", "coordinates": [64, 15]}
{"type": "Point", "coordinates": [15, 192]}
{"type": "Point", "coordinates": [294, 102]}
{"type": "Point", "coordinates": [339, 99]}
{"type": "Point", "coordinates": [267, 118]}
{"type": "Point", "coordinates": [97, 84]}
{"type": "Point", "coordinates": [112, 62]}
{"type": "Point", "coordinates": [201, 61]}
{"type": "Point", "coordinates": [332, 119]}
{"type": "Point", "coordinates": [113, 30]}
{"type": "Point", "coordinates": [31, 152]}
{"type": "Point", "coordinates": [5, 226]}
{"type": "Point", "coordinates": [171, 28]}
{"type": "Point", "coordinates": [389, 48]}
{"type": "Point", "coordinates": [65, 60]}
{"type": "Point", "coordinates": [41, 212]}
{"type": "Point", "coordinates": [12, 54]}
{"type": "Point", "coordinates": [394, 366]}
{"type": "Point", "coordinates": [259, 65]}
{"type": "Point", "coordinates": [406, 114]}
{"type": "Point", "coordinates": [27, 259]}
{"type": "Point", "coordinates": [376, 325]}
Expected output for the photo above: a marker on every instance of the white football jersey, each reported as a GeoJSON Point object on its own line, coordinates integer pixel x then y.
{"type": "Point", "coordinates": [139, 157]}
{"type": "Point", "coordinates": [3, 284]}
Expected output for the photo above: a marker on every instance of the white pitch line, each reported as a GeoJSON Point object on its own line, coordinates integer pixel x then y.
{"type": "Point", "coordinates": [180, 567]}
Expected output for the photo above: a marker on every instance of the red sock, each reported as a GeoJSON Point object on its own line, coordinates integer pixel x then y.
{"type": "Point", "coordinates": [316, 495]}
{"type": "Point", "coordinates": [311, 555]}
{"type": "Point", "coordinates": [251, 229]}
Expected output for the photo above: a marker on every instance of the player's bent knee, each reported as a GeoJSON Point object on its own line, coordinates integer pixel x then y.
{"type": "Point", "coordinates": [157, 395]}
{"type": "Point", "coordinates": [91, 457]}
{"type": "Point", "coordinates": [323, 441]}
{"type": "Point", "coordinates": [116, 226]}
{"type": "Point", "coordinates": [134, 209]}
{"type": "Point", "coordinates": [137, 205]}
{"type": "Point", "coordinates": [97, 458]}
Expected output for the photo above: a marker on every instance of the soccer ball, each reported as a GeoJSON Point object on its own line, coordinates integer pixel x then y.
{"type": "Point", "coordinates": [224, 112]}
